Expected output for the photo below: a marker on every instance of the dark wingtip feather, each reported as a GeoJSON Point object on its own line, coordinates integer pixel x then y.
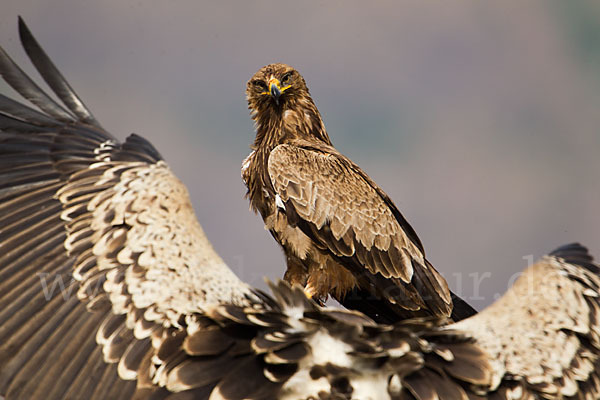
{"type": "Point", "coordinates": [576, 254]}
{"type": "Point", "coordinates": [53, 77]}
{"type": "Point", "coordinates": [20, 82]}
{"type": "Point", "coordinates": [139, 149]}
{"type": "Point", "coordinates": [15, 109]}
{"type": "Point", "coordinates": [570, 249]}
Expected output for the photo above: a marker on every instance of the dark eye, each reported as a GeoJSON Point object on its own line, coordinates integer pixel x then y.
{"type": "Point", "coordinates": [260, 85]}
{"type": "Point", "coordinates": [286, 79]}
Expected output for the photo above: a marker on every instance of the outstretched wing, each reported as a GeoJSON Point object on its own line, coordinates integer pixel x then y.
{"type": "Point", "coordinates": [540, 340]}
{"type": "Point", "coordinates": [90, 223]}
{"type": "Point", "coordinates": [544, 333]}
{"type": "Point", "coordinates": [109, 289]}
{"type": "Point", "coordinates": [339, 207]}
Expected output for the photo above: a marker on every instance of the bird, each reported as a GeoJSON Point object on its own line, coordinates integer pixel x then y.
{"type": "Point", "coordinates": [109, 289]}
{"type": "Point", "coordinates": [341, 233]}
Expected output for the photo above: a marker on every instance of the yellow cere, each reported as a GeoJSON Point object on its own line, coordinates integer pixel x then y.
{"type": "Point", "coordinates": [275, 81]}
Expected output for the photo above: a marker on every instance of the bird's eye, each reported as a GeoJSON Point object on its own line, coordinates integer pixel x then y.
{"type": "Point", "coordinates": [260, 85]}
{"type": "Point", "coordinates": [286, 79]}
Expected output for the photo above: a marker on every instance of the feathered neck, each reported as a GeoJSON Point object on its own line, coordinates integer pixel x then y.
{"type": "Point", "coordinates": [296, 118]}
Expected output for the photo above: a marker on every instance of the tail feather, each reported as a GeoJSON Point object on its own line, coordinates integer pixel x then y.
{"type": "Point", "coordinates": [460, 308]}
{"type": "Point", "coordinates": [384, 312]}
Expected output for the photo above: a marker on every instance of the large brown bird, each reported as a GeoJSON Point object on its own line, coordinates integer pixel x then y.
{"type": "Point", "coordinates": [110, 290]}
{"type": "Point", "coordinates": [341, 234]}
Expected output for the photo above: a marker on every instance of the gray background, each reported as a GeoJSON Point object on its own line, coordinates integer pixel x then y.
{"type": "Point", "coordinates": [480, 119]}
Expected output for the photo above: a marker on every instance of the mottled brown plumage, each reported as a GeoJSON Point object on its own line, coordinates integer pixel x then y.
{"type": "Point", "coordinates": [110, 290]}
{"type": "Point", "coordinates": [342, 235]}
{"type": "Point", "coordinates": [542, 336]}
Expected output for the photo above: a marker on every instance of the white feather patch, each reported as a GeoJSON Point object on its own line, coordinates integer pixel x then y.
{"type": "Point", "coordinates": [279, 202]}
{"type": "Point", "coordinates": [246, 162]}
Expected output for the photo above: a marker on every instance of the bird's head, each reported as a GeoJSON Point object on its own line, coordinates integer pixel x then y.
{"type": "Point", "coordinates": [275, 87]}
{"type": "Point", "coordinates": [281, 106]}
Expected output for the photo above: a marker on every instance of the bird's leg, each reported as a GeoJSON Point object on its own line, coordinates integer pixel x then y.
{"type": "Point", "coordinates": [297, 274]}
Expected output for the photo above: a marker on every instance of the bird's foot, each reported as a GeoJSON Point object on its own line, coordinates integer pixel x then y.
{"type": "Point", "coordinates": [312, 294]}
{"type": "Point", "coordinates": [310, 291]}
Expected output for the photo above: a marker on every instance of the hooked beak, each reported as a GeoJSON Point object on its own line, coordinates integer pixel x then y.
{"type": "Point", "coordinates": [275, 90]}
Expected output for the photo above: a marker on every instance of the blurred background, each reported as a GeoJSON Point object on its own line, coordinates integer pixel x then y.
{"type": "Point", "coordinates": [481, 120]}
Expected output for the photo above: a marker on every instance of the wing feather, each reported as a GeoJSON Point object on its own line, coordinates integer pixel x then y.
{"type": "Point", "coordinates": [88, 274]}
{"type": "Point", "coordinates": [545, 328]}
{"type": "Point", "coordinates": [18, 80]}
{"type": "Point", "coordinates": [20, 111]}
{"type": "Point", "coordinates": [53, 77]}
{"type": "Point", "coordinates": [101, 247]}
{"type": "Point", "coordinates": [349, 214]}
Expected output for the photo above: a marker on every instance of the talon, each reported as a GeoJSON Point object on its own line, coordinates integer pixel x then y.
{"type": "Point", "coordinates": [310, 291]}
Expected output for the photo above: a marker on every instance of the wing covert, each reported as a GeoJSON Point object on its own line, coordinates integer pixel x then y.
{"type": "Point", "coordinates": [134, 223]}
{"type": "Point", "coordinates": [327, 191]}
{"type": "Point", "coordinates": [348, 214]}
{"type": "Point", "coordinates": [545, 329]}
